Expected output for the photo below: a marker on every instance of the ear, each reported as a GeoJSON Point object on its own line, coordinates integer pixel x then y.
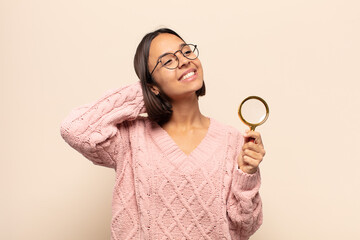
{"type": "Point", "coordinates": [154, 89]}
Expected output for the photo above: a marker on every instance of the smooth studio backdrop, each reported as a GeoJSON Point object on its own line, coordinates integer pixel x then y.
{"type": "Point", "coordinates": [302, 56]}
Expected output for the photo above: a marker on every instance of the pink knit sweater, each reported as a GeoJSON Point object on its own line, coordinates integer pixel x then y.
{"type": "Point", "coordinates": [160, 192]}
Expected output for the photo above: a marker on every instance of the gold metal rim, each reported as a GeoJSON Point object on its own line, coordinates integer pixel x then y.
{"type": "Point", "coordinates": [252, 125]}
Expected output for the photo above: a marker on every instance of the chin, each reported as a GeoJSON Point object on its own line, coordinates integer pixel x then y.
{"type": "Point", "coordinates": [197, 87]}
{"type": "Point", "coordinates": [200, 83]}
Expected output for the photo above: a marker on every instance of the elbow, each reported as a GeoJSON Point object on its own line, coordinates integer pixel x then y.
{"type": "Point", "coordinates": [66, 135]}
{"type": "Point", "coordinates": [70, 136]}
{"type": "Point", "coordinates": [84, 142]}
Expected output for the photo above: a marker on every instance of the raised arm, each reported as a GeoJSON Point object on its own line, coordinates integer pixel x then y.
{"type": "Point", "coordinates": [96, 130]}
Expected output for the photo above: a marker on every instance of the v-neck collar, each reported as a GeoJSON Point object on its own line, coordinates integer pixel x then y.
{"type": "Point", "coordinates": [169, 147]}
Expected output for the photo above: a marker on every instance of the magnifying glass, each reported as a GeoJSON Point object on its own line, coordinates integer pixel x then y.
{"type": "Point", "coordinates": [253, 111]}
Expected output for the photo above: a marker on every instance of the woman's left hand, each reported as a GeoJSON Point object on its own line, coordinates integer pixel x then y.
{"type": "Point", "coordinates": [252, 152]}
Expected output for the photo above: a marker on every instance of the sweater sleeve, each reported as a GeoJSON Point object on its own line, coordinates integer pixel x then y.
{"type": "Point", "coordinates": [244, 206]}
{"type": "Point", "coordinates": [98, 130]}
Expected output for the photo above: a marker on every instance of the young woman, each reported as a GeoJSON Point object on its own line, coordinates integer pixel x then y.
{"type": "Point", "coordinates": [179, 174]}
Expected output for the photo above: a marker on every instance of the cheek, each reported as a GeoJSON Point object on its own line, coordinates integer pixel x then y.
{"type": "Point", "coordinates": [165, 79]}
{"type": "Point", "coordinates": [198, 65]}
{"type": "Point", "coordinates": [200, 72]}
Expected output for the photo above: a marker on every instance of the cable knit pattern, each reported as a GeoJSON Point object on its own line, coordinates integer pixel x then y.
{"type": "Point", "coordinates": [160, 192]}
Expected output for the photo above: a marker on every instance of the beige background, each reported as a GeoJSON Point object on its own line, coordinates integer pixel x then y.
{"type": "Point", "coordinates": [303, 57]}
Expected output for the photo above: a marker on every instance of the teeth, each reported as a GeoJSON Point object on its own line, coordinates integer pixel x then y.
{"type": "Point", "coordinates": [188, 75]}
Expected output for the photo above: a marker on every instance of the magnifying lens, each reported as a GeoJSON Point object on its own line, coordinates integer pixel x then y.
{"type": "Point", "coordinates": [253, 111]}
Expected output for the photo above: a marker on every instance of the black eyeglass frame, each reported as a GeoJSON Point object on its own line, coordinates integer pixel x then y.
{"type": "Point", "coordinates": [180, 50]}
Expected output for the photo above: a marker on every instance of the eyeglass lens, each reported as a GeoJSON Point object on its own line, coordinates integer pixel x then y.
{"type": "Point", "coordinates": [170, 60]}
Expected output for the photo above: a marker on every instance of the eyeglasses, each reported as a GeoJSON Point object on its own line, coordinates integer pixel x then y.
{"type": "Point", "coordinates": [171, 61]}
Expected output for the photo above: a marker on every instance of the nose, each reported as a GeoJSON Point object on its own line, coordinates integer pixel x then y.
{"type": "Point", "coordinates": [182, 60]}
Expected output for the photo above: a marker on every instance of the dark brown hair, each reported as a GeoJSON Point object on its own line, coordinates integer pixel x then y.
{"type": "Point", "coordinates": [158, 107]}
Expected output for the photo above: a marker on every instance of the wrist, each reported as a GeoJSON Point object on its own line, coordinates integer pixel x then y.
{"type": "Point", "coordinates": [248, 170]}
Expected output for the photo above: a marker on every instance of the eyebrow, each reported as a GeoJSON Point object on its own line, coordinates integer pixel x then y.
{"type": "Point", "coordinates": [180, 46]}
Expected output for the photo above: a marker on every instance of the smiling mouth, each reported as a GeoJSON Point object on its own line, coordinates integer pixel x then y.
{"type": "Point", "coordinates": [188, 75]}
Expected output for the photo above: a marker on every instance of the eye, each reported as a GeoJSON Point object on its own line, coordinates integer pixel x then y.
{"type": "Point", "coordinates": [187, 50]}
{"type": "Point", "coordinates": [168, 62]}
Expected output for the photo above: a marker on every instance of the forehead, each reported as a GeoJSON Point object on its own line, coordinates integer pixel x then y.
{"type": "Point", "coordinates": [164, 43]}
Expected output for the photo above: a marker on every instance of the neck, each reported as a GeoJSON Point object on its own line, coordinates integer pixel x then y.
{"type": "Point", "coordinates": [186, 114]}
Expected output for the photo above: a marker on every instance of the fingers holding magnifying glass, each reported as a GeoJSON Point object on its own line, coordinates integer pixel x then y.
{"type": "Point", "coordinates": [253, 136]}
{"type": "Point", "coordinates": [252, 153]}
